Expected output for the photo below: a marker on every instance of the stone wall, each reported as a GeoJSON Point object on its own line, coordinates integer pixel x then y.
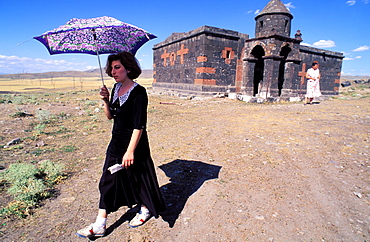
{"type": "Point", "coordinates": [202, 61]}
{"type": "Point", "coordinates": [330, 67]}
{"type": "Point", "coordinates": [210, 60]}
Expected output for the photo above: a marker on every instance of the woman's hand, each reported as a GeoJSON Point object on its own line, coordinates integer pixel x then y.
{"type": "Point", "coordinates": [104, 93]}
{"type": "Point", "coordinates": [128, 159]}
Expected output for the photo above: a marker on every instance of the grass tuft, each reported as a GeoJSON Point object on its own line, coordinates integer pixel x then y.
{"type": "Point", "coordinates": [28, 184]}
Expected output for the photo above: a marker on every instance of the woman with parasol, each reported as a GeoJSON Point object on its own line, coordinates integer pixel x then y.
{"type": "Point", "coordinates": [128, 174]}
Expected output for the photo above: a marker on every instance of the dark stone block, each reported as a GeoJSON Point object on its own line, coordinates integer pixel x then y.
{"type": "Point", "coordinates": [346, 84]}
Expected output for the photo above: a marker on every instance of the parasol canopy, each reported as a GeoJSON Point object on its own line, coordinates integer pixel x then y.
{"type": "Point", "coordinates": [102, 35]}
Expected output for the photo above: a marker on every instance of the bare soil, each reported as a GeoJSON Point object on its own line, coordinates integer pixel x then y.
{"type": "Point", "coordinates": [229, 171]}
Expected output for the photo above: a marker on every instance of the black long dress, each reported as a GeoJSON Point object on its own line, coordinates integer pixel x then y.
{"type": "Point", "coordinates": [137, 184]}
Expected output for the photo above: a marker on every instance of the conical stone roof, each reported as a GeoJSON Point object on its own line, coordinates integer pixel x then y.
{"type": "Point", "coordinates": [273, 7]}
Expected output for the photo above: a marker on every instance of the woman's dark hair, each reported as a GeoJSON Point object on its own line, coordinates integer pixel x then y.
{"type": "Point", "coordinates": [127, 60]}
{"type": "Point", "coordinates": [315, 63]}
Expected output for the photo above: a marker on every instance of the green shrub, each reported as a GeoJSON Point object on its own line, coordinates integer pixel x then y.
{"type": "Point", "coordinates": [91, 103]}
{"type": "Point", "coordinates": [63, 115]}
{"type": "Point", "coordinates": [53, 172]}
{"type": "Point", "coordinates": [29, 191]}
{"type": "Point", "coordinates": [38, 152]}
{"type": "Point", "coordinates": [17, 208]}
{"type": "Point", "coordinates": [62, 130]}
{"type": "Point", "coordinates": [68, 148]}
{"type": "Point", "coordinates": [39, 128]}
{"type": "Point", "coordinates": [20, 171]}
{"type": "Point", "coordinates": [94, 118]}
{"type": "Point", "coordinates": [18, 100]}
{"type": "Point", "coordinates": [43, 116]}
{"type": "Point", "coordinates": [15, 147]}
{"type": "Point", "coordinates": [29, 184]}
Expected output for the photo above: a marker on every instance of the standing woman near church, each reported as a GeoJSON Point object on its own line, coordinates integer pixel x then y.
{"type": "Point", "coordinates": [137, 182]}
{"type": "Point", "coordinates": [313, 83]}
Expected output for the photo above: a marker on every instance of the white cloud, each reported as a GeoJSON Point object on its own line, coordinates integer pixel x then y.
{"type": "Point", "coordinates": [289, 5]}
{"type": "Point", "coordinates": [250, 11]}
{"type": "Point", "coordinates": [346, 73]}
{"type": "Point", "coordinates": [306, 44]}
{"type": "Point", "coordinates": [352, 58]}
{"type": "Point", "coordinates": [324, 44]}
{"type": "Point", "coordinates": [366, 1]}
{"type": "Point", "coordinates": [362, 48]}
{"type": "Point", "coordinates": [351, 2]}
{"type": "Point", "coordinates": [92, 68]}
{"type": "Point", "coordinates": [15, 64]}
{"type": "Point", "coordinates": [257, 11]}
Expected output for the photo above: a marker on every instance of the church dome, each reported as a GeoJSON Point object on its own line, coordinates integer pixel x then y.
{"type": "Point", "coordinates": [275, 7]}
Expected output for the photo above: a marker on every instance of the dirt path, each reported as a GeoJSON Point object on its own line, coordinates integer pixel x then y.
{"type": "Point", "coordinates": [229, 171]}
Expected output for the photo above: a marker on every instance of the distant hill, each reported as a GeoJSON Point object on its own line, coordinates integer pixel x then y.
{"type": "Point", "coordinates": [89, 73]}
{"type": "Point", "coordinates": [355, 77]}
{"type": "Point", "coordinates": [145, 73]}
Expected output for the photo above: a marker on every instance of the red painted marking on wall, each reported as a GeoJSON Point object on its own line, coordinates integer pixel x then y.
{"type": "Point", "coordinates": [205, 70]}
{"type": "Point", "coordinates": [164, 56]}
{"type": "Point", "coordinates": [211, 82]}
{"type": "Point", "coordinates": [182, 52]}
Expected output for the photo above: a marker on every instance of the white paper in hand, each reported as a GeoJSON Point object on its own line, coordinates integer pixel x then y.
{"type": "Point", "coordinates": [115, 168]}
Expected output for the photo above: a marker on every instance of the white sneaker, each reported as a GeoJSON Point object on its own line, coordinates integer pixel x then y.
{"type": "Point", "coordinates": [88, 232]}
{"type": "Point", "coordinates": [139, 219]}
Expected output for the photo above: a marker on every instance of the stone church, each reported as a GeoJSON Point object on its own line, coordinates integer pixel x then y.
{"type": "Point", "coordinates": [270, 66]}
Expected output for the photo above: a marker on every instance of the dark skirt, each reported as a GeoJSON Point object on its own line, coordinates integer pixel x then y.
{"type": "Point", "coordinates": [135, 185]}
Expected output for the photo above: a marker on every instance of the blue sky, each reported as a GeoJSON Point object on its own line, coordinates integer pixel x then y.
{"type": "Point", "coordinates": [335, 25]}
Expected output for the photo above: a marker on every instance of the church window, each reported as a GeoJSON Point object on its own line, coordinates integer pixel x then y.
{"type": "Point", "coordinates": [286, 25]}
{"type": "Point", "coordinates": [228, 54]}
{"type": "Point", "coordinates": [172, 58]}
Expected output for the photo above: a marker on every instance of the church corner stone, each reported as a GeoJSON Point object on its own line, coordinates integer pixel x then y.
{"type": "Point", "coordinates": [271, 66]}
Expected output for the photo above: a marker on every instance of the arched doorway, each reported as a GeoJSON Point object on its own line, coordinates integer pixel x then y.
{"type": "Point", "coordinates": [284, 53]}
{"type": "Point", "coordinates": [258, 52]}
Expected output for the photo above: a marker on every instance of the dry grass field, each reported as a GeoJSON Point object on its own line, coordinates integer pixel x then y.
{"type": "Point", "coordinates": [58, 84]}
{"type": "Point", "coordinates": [228, 170]}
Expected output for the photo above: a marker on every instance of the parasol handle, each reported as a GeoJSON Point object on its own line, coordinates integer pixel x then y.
{"type": "Point", "coordinates": [97, 53]}
{"type": "Point", "coordinates": [101, 73]}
